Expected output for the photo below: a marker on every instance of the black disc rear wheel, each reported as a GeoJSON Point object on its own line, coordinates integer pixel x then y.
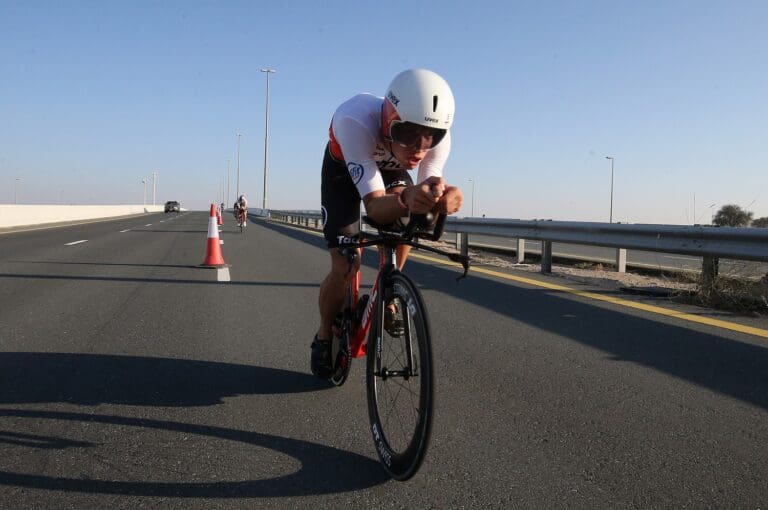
{"type": "Point", "coordinates": [399, 382]}
{"type": "Point", "coordinates": [342, 361]}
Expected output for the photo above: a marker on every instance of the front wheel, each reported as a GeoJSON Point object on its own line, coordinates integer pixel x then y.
{"type": "Point", "coordinates": [399, 381]}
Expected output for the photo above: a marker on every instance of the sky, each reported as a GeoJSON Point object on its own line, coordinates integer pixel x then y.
{"type": "Point", "coordinates": [95, 96]}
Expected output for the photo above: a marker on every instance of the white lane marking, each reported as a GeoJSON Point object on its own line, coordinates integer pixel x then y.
{"type": "Point", "coordinates": [148, 225]}
{"type": "Point", "coordinates": [126, 230]}
{"type": "Point", "coordinates": [76, 242]}
{"type": "Point", "coordinates": [222, 274]}
{"type": "Point", "coordinates": [221, 241]}
{"type": "Point", "coordinates": [162, 221]}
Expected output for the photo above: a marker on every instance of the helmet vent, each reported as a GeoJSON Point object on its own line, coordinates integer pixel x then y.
{"type": "Point", "coordinates": [434, 103]}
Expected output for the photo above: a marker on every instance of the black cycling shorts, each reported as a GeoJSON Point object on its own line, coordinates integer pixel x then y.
{"type": "Point", "coordinates": [340, 199]}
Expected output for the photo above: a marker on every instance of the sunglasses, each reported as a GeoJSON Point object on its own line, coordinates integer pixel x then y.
{"type": "Point", "coordinates": [416, 136]}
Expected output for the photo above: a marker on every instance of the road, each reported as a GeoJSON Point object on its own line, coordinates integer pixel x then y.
{"type": "Point", "coordinates": [129, 378]}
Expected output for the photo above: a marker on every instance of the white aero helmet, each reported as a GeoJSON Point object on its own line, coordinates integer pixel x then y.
{"type": "Point", "coordinates": [417, 97]}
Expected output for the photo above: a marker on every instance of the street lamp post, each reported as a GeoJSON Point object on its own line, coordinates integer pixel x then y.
{"type": "Point", "coordinates": [610, 220]}
{"type": "Point", "coordinates": [266, 138]}
{"type": "Point", "coordinates": [472, 201]}
{"type": "Point", "coordinates": [16, 190]}
{"type": "Point", "coordinates": [238, 164]}
{"type": "Point", "coordinates": [144, 182]}
{"type": "Point", "coordinates": [154, 188]}
{"type": "Point", "coordinates": [226, 202]}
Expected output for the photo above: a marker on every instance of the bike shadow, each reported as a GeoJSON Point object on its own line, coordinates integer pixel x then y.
{"type": "Point", "coordinates": [93, 379]}
{"type": "Point", "coordinates": [321, 469]}
{"type": "Point", "coordinates": [731, 367]}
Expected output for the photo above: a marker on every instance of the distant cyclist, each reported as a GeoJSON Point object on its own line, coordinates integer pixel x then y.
{"type": "Point", "coordinates": [241, 208]}
{"type": "Point", "coordinates": [374, 141]}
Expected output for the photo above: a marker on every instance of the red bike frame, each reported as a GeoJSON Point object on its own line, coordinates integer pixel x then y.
{"type": "Point", "coordinates": [359, 341]}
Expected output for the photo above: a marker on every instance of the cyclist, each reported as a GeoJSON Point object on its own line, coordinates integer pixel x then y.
{"type": "Point", "coordinates": [374, 141]}
{"type": "Point", "coordinates": [241, 207]}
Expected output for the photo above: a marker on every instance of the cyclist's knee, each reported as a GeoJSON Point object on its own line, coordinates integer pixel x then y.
{"type": "Point", "coordinates": [342, 268]}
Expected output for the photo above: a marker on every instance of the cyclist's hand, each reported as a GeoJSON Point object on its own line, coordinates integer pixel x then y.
{"type": "Point", "coordinates": [450, 201]}
{"type": "Point", "coordinates": [423, 197]}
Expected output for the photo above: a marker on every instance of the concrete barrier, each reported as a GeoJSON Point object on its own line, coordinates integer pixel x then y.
{"type": "Point", "coordinates": [12, 215]}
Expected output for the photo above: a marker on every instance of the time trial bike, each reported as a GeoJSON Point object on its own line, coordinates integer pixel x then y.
{"type": "Point", "coordinates": [399, 368]}
{"type": "Point", "coordinates": [241, 216]}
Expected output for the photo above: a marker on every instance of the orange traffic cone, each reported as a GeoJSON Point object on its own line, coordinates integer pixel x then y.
{"type": "Point", "coordinates": [213, 256]}
{"type": "Point", "coordinates": [218, 216]}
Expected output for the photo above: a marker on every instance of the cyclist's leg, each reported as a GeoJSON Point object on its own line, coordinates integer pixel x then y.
{"type": "Point", "coordinates": [333, 290]}
{"type": "Point", "coordinates": [340, 202]}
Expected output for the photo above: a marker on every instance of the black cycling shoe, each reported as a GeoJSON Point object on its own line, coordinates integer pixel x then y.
{"type": "Point", "coordinates": [393, 321]}
{"type": "Point", "coordinates": [321, 362]}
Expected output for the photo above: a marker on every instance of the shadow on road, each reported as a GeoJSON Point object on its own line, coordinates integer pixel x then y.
{"type": "Point", "coordinates": [727, 366]}
{"type": "Point", "coordinates": [156, 231]}
{"type": "Point", "coordinates": [28, 276]}
{"type": "Point", "coordinates": [92, 379]}
{"type": "Point", "coordinates": [323, 469]}
{"type": "Point", "coordinates": [108, 264]}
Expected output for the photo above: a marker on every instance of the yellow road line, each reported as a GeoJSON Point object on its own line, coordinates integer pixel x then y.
{"type": "Point", "coordinates": [732, 326]}
{"type": "Point", "coordinates": [611, 299]}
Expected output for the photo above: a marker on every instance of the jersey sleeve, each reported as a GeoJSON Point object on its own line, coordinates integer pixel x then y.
{"type": "Point", "coordinates": [358, 147]}
{"type": "Point", "coordinates": [433, 163]}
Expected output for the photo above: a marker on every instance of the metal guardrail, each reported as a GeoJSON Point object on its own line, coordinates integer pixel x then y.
{"type": "Point", "coordinates": [711, 243]}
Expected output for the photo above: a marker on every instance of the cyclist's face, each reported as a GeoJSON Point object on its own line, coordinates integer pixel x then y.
{"type": "Point", "coordinates": [409, 157]}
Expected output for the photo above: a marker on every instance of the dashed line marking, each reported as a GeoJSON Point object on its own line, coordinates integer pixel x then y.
{"type": "Point", "coordinates": [222, 274]}
{"type": "Point", "coordinates": [76, 242]}
{"type": "Point", "coordinates": [126, 230]}
{"type": "Point", "coordinates": [148, 225]}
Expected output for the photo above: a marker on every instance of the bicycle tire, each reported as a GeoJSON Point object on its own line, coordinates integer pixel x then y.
{"type": "Point", "coordinates": [401, 447]}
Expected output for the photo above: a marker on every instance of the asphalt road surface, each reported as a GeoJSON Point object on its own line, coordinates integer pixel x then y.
{"type": "Point", "coordinates": [129, 378]}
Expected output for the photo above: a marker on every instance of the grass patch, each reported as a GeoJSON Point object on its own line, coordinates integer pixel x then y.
{"type": "Point", "coordinates": [731, 294]}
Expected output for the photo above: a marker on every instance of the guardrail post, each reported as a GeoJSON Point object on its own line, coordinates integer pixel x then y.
{"type": "Point", "coordinates": [546, 256]}
{"type": "Point", "coordinates": [462, 243]}
{"type": "Point", "coordinates": [520, 251]}
{"type": "Point", "coordinates": [621, 260]}
{"type": "Point", "coordinates": [709, 269]}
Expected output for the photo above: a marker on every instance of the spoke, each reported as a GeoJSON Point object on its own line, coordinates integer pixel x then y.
{"type": "Point", "coordinates": [404, 435]}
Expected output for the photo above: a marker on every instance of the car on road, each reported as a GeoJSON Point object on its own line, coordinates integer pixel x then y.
{"type": "Point", "coordinates": [172, 206]}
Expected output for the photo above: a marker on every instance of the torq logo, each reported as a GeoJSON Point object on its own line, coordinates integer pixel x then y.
{"type": "Point", "coordinates": [393, 98]}
{"type": "Point", "coordinates": [347, 240]}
